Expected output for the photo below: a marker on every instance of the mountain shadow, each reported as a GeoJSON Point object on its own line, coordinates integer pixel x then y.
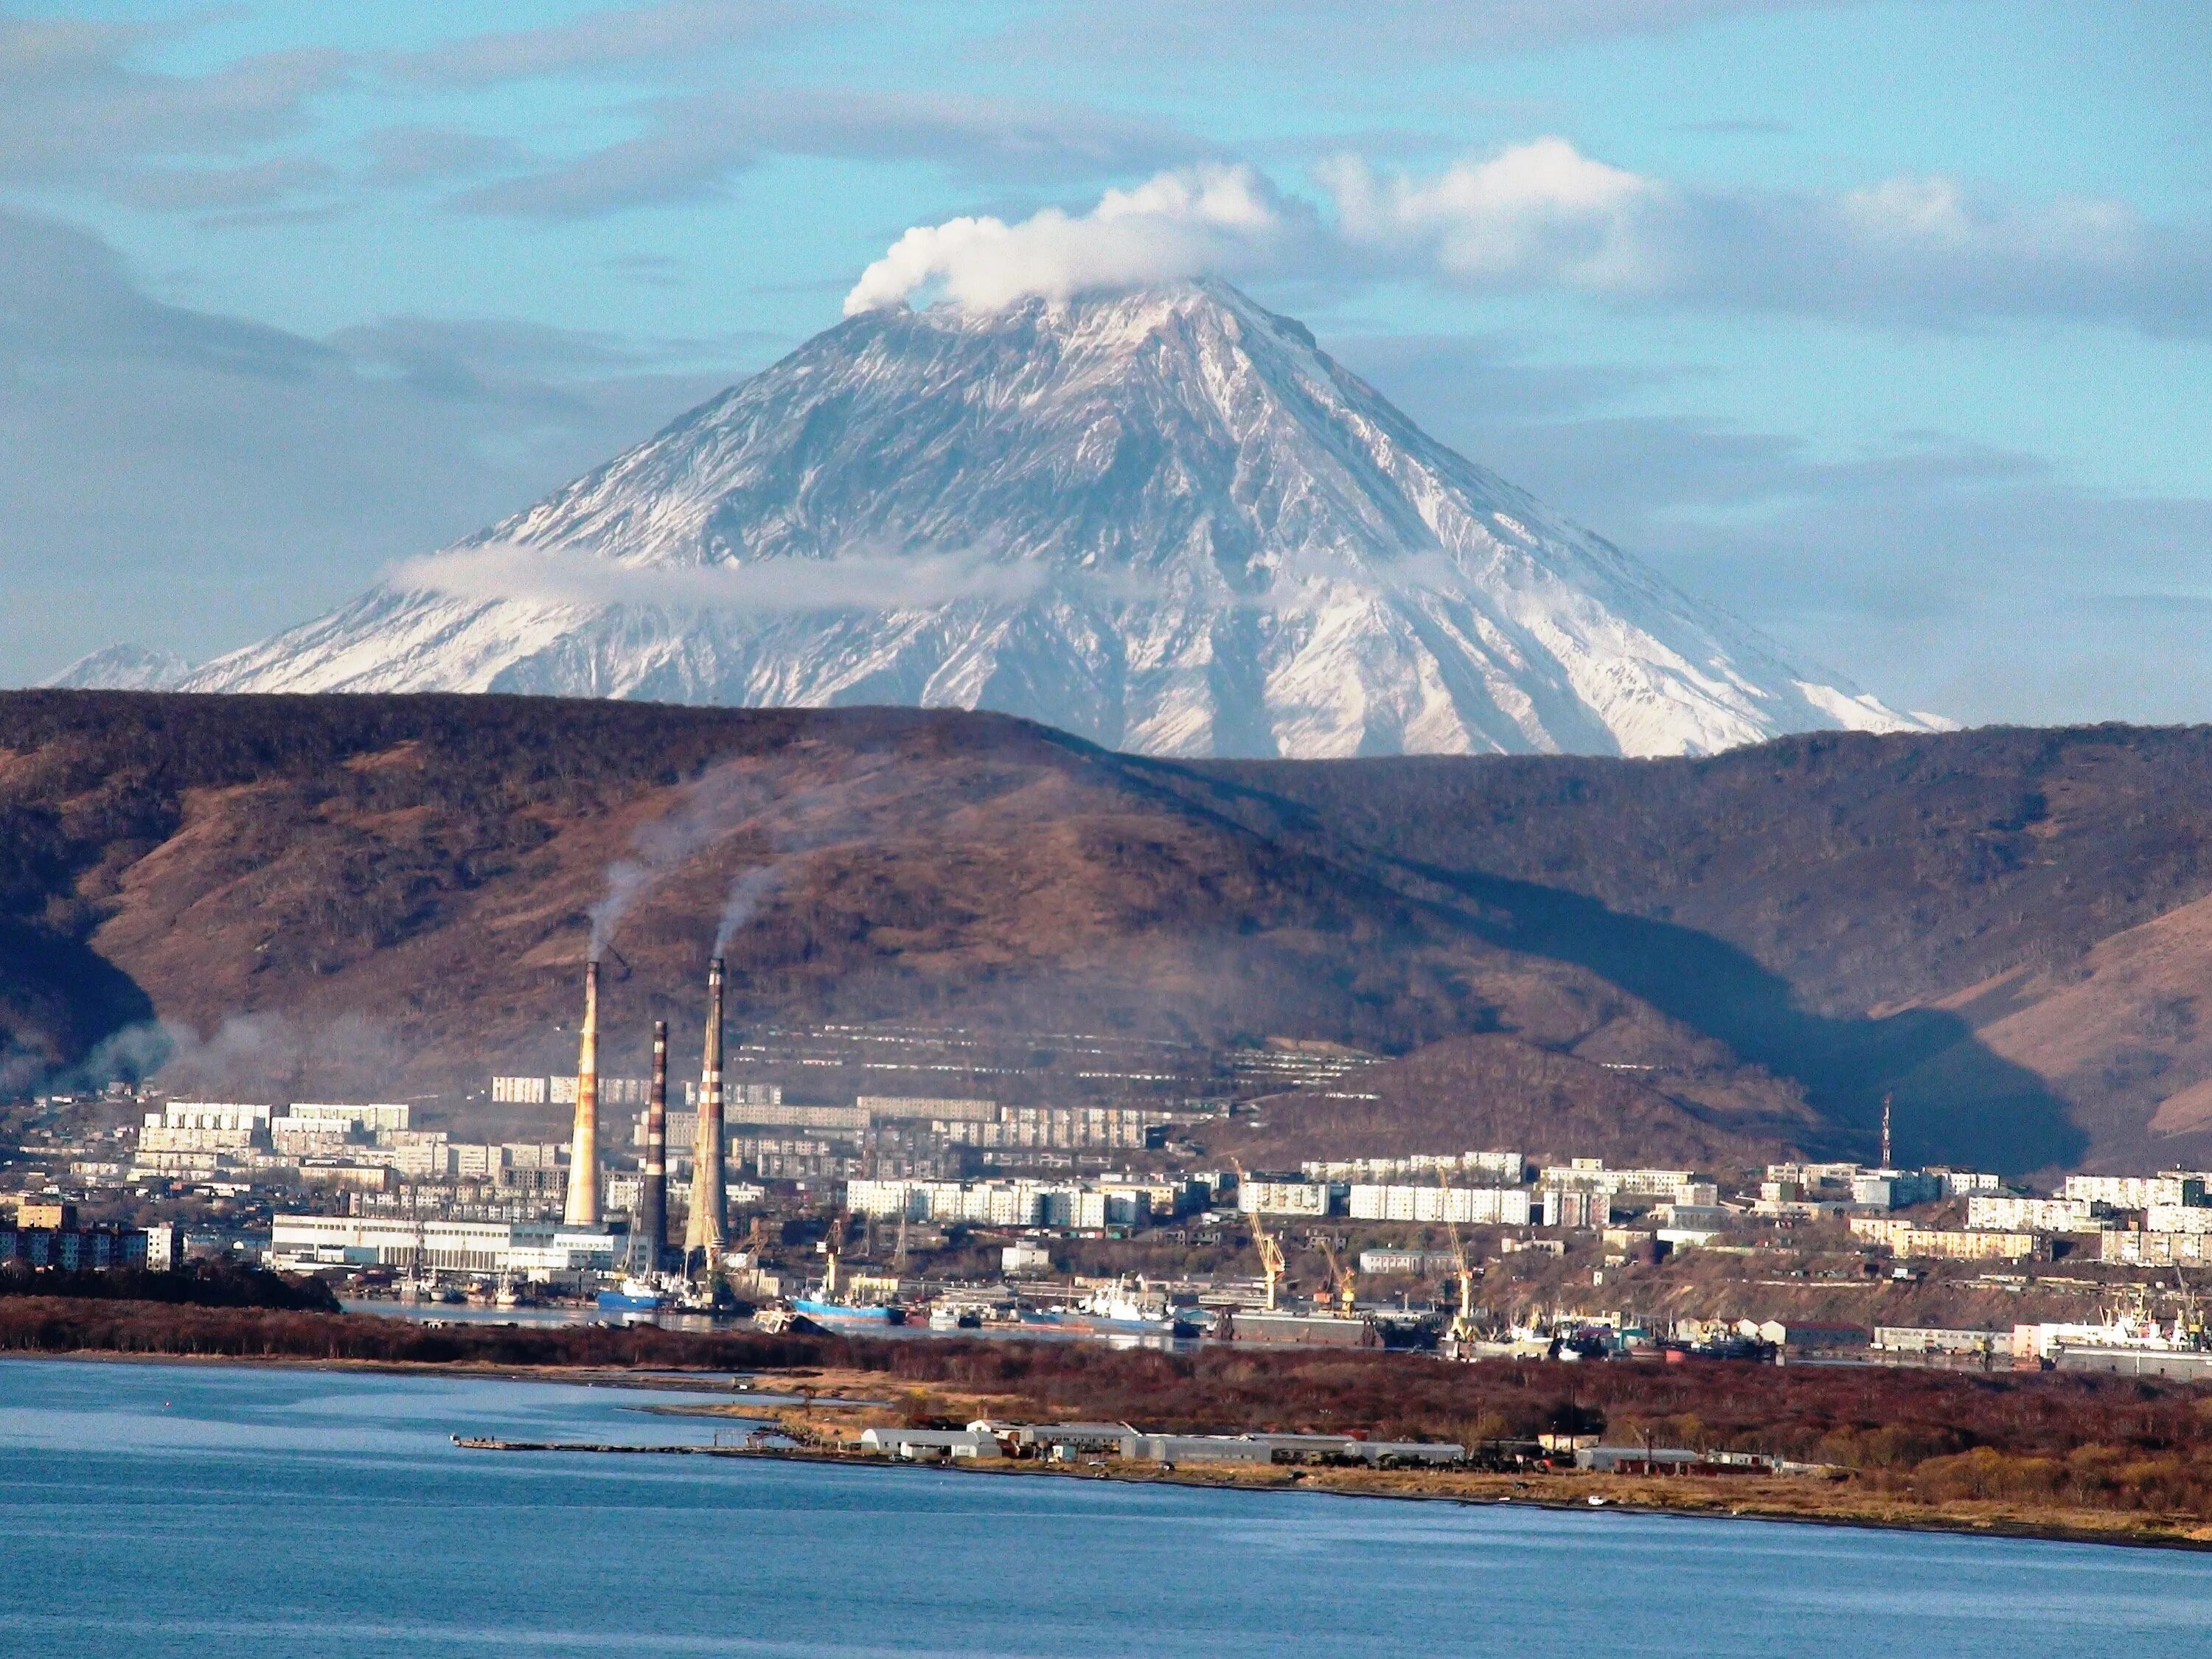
{"type": "Point", "coordinates": [59, 1001]}
{"type": "Point", "coordinates": [1955, 1100]}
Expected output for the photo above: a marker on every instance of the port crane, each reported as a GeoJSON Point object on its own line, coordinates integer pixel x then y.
{"type": "Point", "coordinates": [1343, 1278]}
{"type": "Point", "coordinates": [1271, 1252]}
{"type": "Point", "coordinates": [1463, 1325]}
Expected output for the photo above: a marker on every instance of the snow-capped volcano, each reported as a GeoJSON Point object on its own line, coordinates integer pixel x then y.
{"type": "Point", "coordinates": [1164, 520]}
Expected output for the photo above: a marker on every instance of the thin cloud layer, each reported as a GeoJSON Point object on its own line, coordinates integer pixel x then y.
{"type": "Point", "coordinates": [563, 576]}
{"type": "Point", "coordinates": [692, 147]}
{"type": "Point", "coordinates": [1277, 27]}
{"type": "Point", "coordinates": [74, 110]}
{"type": "Point", "coordinates": [669, 34]}
{"type": "Point", "coordinates": [1963, 577]}
{"type": "Point", "coordinates": [208, 477]}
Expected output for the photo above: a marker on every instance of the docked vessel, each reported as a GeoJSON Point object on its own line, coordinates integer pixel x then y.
{"type": "Point", "coordinates": [1331, 1330]}
{"type": "Point", "coordinates": [1114, 1308]}
{"type": "Point", "coordinates": [635, 1296]}
{"type": "Point", "coordinates": [828, 1304]}
{"type": "Point", "coordinates": [881, 1313]}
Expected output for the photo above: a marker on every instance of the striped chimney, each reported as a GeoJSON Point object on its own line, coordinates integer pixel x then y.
{"type": "Point", "coordinates": [583, 1205]}
{"type": "Point", "coordinates": [704, 1235]}
{"type": "Point", "coordinates": [652, 1195]}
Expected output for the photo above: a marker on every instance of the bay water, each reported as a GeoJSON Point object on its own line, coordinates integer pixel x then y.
{"type": "Point", "coordinates": [157, 1510]}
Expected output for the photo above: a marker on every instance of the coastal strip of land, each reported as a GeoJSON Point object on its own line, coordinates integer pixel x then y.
{"type": "Point", "coordinates": [1733, 1498]}
{"type": "Point", "coordinates": [2054, 1453]}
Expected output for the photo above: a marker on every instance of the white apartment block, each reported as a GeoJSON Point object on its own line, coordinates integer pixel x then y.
{"type": "Point", "coordinates": [1314, 1199]}
{"type": "Point", "coordinates": [1469, 1206]}
{"type": "Point", "coordinates": [329, 1118]}
{"type": "Point", "coordinates": [1004, 1203]}
{"type": "Point", "coordinates": [2136, 1192]}
{"type": "Point", "coordinates": [1504, 1169]}
{"type": "Point", "coordinates": [2129, 1248]}
{"type": "Point", "coordinates": [2178, 1219]}
{"type": "Point", "coordinates": [2043, 1215]}
{"type": "Point", "coordinates": [211, 1115]}
{"type": "Point", "coordinates": [1591, 1173]}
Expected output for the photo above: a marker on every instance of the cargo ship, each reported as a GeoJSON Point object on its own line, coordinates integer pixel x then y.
{"type": "Point", "coordinates": [828, 1305]}
{"type": "Point", "coordinates": [1328, 1330]}
{"type": "Point", "coordinates": [1114, 1309]}
{"type": "Point", "coordinates": [881, 1313]}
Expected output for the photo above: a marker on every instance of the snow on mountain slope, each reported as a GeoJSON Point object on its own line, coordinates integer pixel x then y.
{"type": "Point", "coordinates": [122, 668]}
{"type": "Point", "coordinates": [1162, 520]}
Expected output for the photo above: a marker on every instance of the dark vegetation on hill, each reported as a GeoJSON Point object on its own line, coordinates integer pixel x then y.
{"type": "Point", "coordinates": [203, 1284]}
{"type": "Point", "coordinates": [1809, 902]}
{"type": "Point", "coordinates": [357, 892]}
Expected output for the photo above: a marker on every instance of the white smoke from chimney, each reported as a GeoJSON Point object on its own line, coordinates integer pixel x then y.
{"type": "Point", "coordinates": [719, 800]}
{"type": "Point", "coordinates": [745, 895]}
{"type": "Point", "coordinates": [626, 880]}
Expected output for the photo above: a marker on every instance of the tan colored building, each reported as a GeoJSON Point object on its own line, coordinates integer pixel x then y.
{"type": "Point", "coordinates": [1961, 1244]}
{"type": "Point", "coordinates": [1944, 1243]}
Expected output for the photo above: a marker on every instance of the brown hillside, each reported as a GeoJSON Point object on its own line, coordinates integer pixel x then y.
{"type": "Point", "coordinates": [358, 895]}
{"type": "Point", "coordinates": [1470, 1093]}
{"type": "Point", "coordinates": [1826, 905]}
{"type": "Point", "coordinates": [349, 893]}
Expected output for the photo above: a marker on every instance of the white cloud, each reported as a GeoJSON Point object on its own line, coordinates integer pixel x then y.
{"type": "Point", "coordinates": [1178, 224]}
{"type": "Point", "coordinates": [1535, 211]}
{"type": "Point", "coordinates": [1914, 250]}
{"type": "Point", "coordinates": [1911, 249]}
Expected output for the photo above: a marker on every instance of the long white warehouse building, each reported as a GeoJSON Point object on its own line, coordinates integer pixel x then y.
{"type": "Point", "coordinates": [532, 1249]}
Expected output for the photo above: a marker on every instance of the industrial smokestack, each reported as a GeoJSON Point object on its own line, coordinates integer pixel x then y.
{"type": "Point", "coordinates": [704, 1234]}
{"type": "Point", "coordinates": [583, 1205]}
{"type": "Point", "coordinates": [652, 1196]}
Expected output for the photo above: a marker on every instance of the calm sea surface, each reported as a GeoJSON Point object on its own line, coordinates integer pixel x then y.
{"type": "Point", "coordinates": [216, 1511]}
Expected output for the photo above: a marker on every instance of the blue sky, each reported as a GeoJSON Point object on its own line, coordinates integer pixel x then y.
{"type": "Point", "coordinates": [1888, 326]}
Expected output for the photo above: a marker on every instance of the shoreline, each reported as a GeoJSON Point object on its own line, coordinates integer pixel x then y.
{"type": "Point", "coordinates": [1703, 1497]}
{"type": "Point", "coordinates": [1283, 1479]}
{"type": "Point", "coordinates": [584, 1376]}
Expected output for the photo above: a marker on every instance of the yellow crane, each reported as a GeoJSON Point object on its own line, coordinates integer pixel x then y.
{"type": "Point", "coordinates": [1346, 1282]}
{"type": "Point", "coordinates": [1463, 1325]}
{"type": "Point", "coordinates": [1271, 1253]}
